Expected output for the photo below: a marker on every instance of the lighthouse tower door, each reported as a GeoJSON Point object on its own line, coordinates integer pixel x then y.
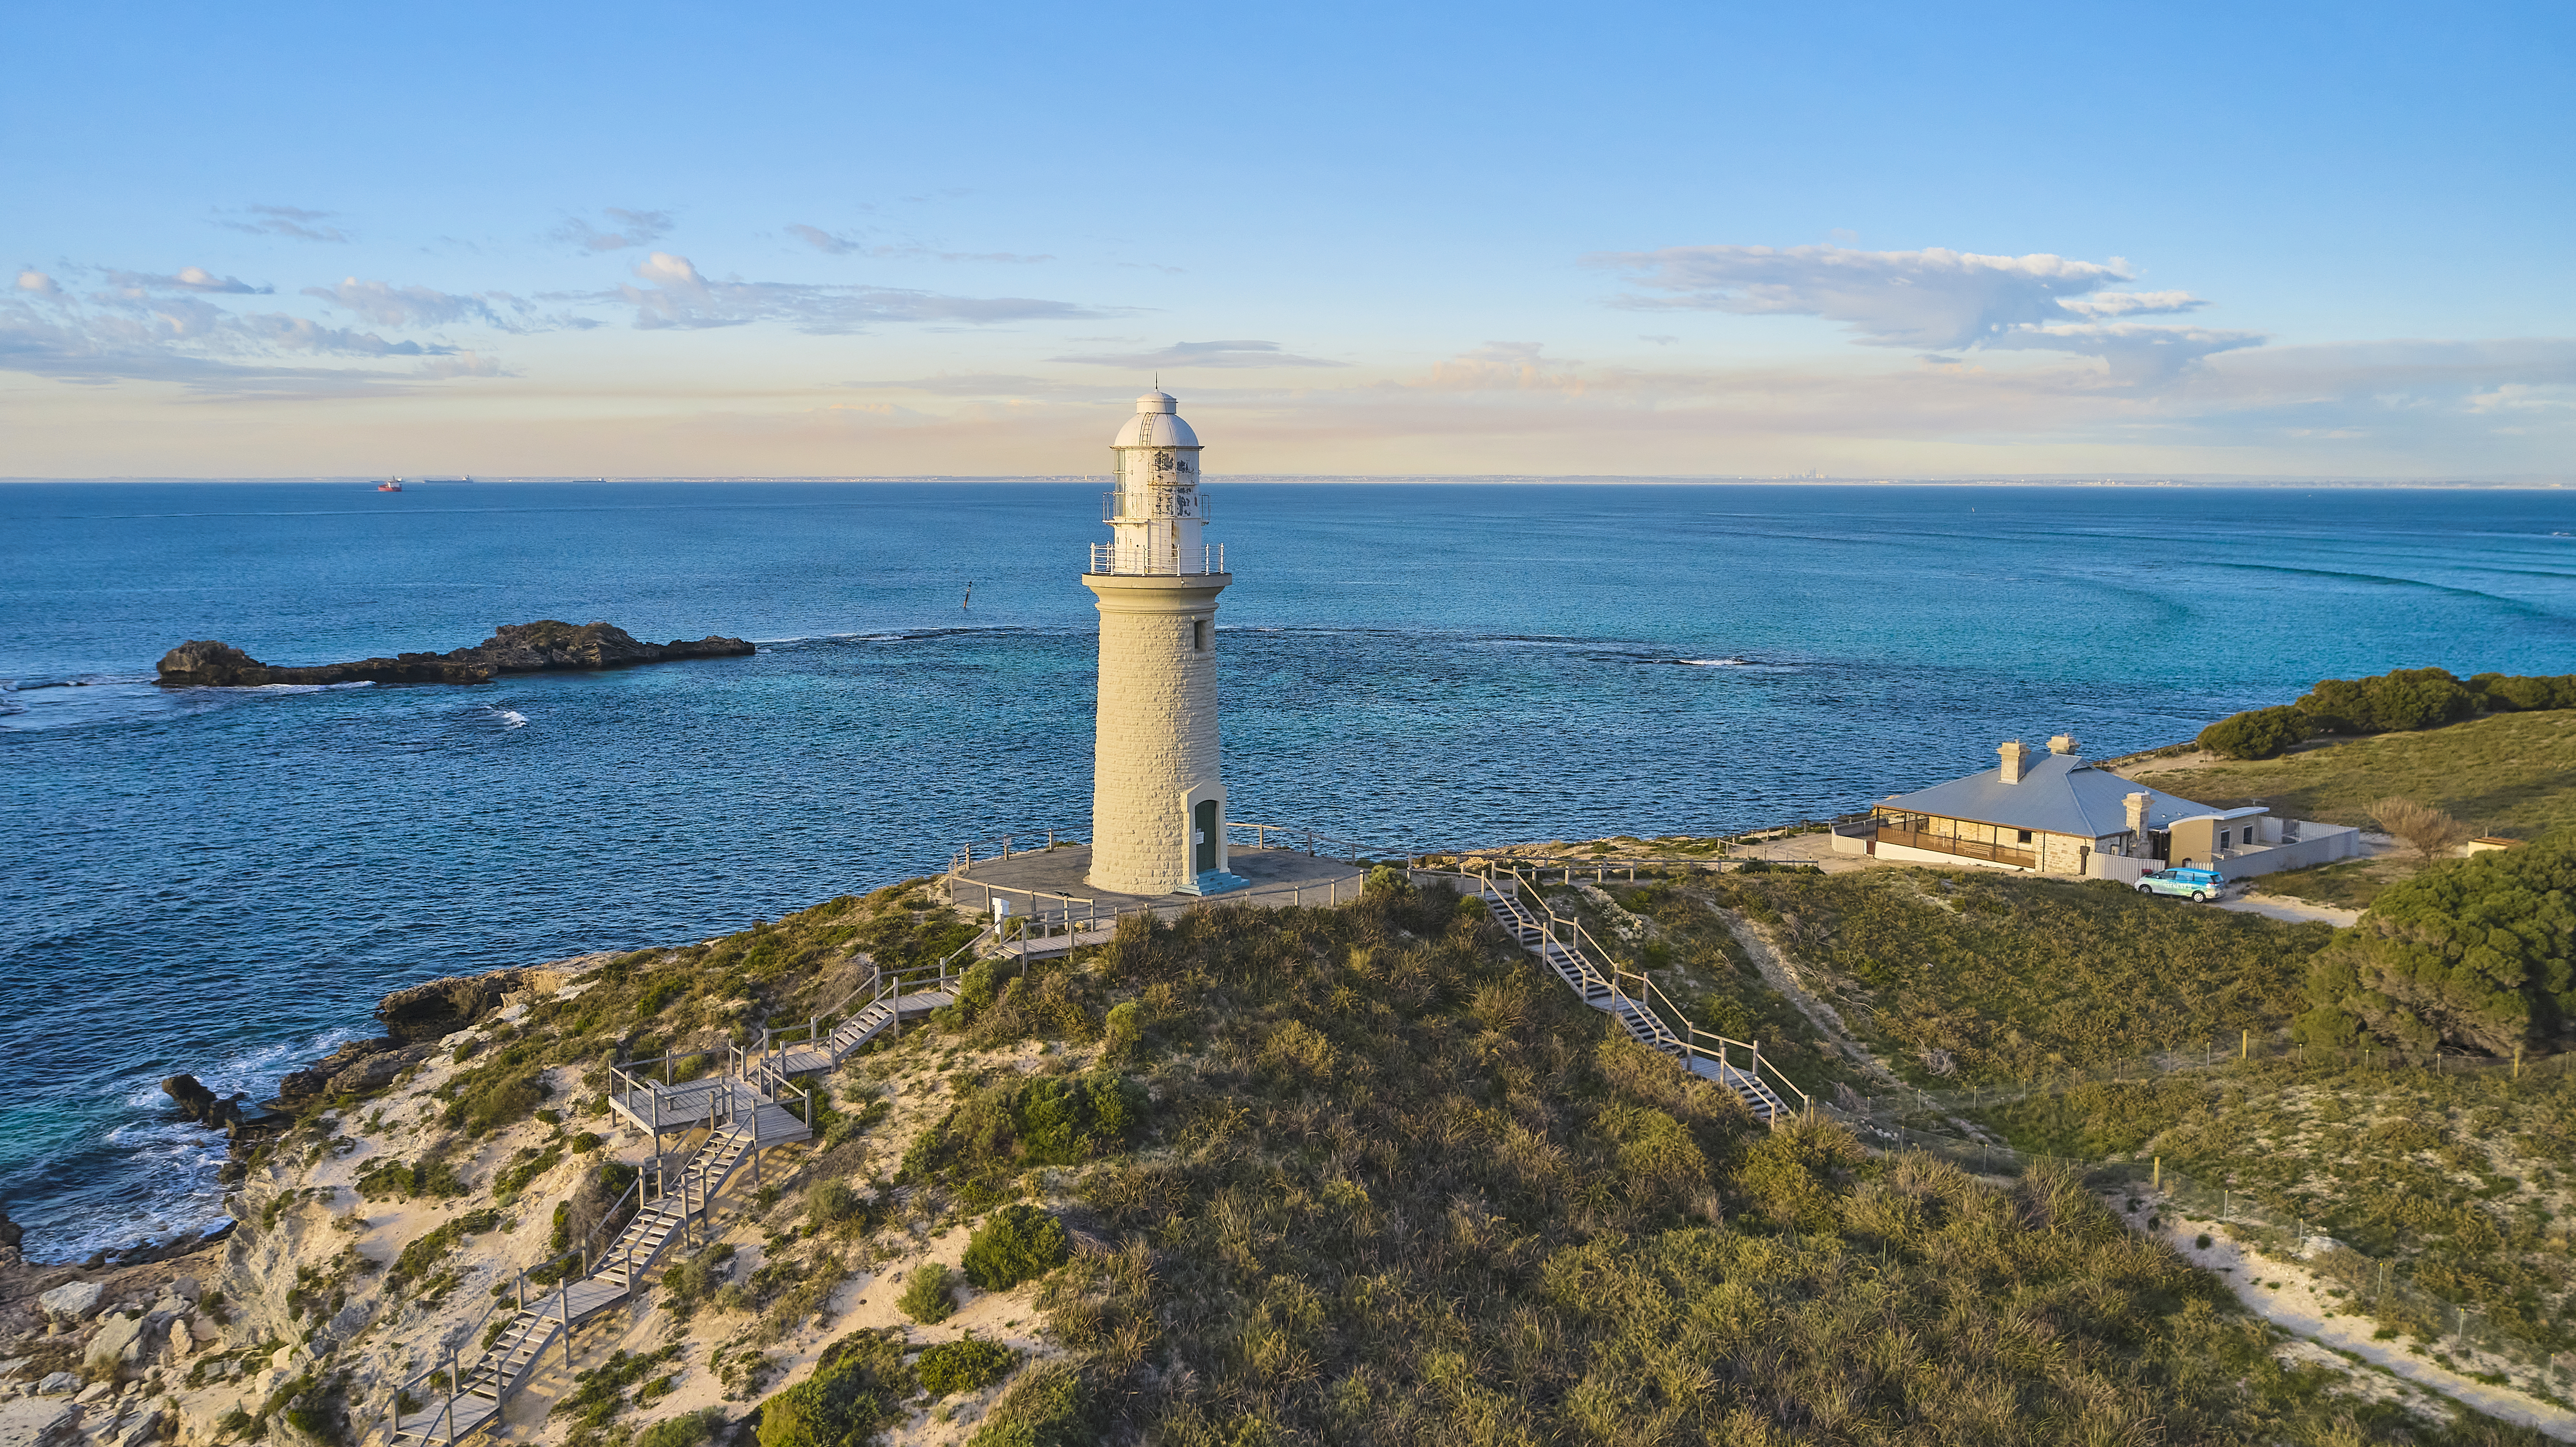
{"type": "Point", "coordinates": [1204, 859]}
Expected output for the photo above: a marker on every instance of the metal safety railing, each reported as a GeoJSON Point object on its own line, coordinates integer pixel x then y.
{"type": "Point", "coordinates": [1147, 561]}
{"type": "Point", "coordinates": [1633, 989]}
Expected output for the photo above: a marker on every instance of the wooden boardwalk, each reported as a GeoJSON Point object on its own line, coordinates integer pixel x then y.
{"type": "Point", "coordinates": [740, 1121]}
{"type": "Point", "coordinates": [822, 1056]}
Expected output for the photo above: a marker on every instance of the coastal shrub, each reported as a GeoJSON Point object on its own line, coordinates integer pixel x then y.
{"type": "Point", "coordinates": [1046, 1120]}
{"type": "Point", "coordinates": [385, 1178]}
{"type": "Point", "coordinates": [857, 1389]}
{"type": "Point", "coordinates": [529, 1164]}
{"type": "Point", "coordinates": [694, 1281]}
{"type": "Point", "coordinates": [2477, 953]}
{"type": "Point", "coordinates": [2261, 733]}
{"type": "Point", "coordinates": [432, 1246]}
{"type": "Point", "coordinates": [1123, 1030]}
{"type": "Point", "coordinates": [833, 1204]}
{"type": "Point", "coordinates": [686, 1430]}
{"type": "Point", "coordinates": [600, 1393]}
{"type": "Point", "coordinates": [967, 1365]}
{"type": "Point", "coordinates": [1045, 1408]}
{"type": "Point", "coordinates": [2501, 693]}
{"type": "Point", "coordinates": [503, 1091]}
{"type": "Point", "coordinates": [929, 1293]}
{"type": "Point", "coordinates": [1016, 1243]}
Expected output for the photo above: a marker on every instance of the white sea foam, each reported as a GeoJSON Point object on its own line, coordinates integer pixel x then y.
{"type": "Point", "coordinates": [511, 718]}
{"type": "Point", "coordinates": [1713, 662]}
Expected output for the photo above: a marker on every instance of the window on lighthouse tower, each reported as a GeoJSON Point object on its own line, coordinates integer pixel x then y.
{"type": "Point", "coordinates": [1198, 635]}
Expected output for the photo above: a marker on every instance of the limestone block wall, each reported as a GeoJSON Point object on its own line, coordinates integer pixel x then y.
{"type": "Point", "coordinates": [1154, 753]}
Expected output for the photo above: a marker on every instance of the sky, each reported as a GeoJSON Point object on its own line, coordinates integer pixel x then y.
{"type": "Point", "coordinates": [1714, 240]}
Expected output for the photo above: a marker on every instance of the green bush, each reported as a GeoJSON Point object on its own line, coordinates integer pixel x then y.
{"type": "Point", "coordinates": [1047, 1120]}
{"type": "Point", "coordinates": [1016, 1243]}
{"type": "Point", "coordinates": [856, 1391]}
{"type": "Point", "coordinates": [1123, 1030]}
{"type": "Point", "coordinates": [1045, 1409]}
{"type": "Point", "coordinates": [2400, 701]}
{"type": "Point", "coordinates": [832, 1204]}
{"type": "Point", "coordinates": [686, 1430]}
{"type": "Point", "coordinates": [928, 1294]}
{"type": "Point", "coordinates": [2261, 733]}
{"type": "Point", "coordinates": [2501, 693]}
{"type": "Point", "coordinates": [963, 1366]}
{"type": "Point", "coordinates": [2474, 952]}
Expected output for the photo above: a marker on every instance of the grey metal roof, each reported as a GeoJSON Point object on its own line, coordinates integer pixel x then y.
{"type": "Point", "coordinates": [2058, 794]}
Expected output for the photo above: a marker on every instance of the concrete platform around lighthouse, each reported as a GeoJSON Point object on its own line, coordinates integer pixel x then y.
{"type": "Point", "coordinates": [1048, 881]}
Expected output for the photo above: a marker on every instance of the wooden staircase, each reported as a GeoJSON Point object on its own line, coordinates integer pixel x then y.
{"type": "Point", "coordinates": [742, 1116]}
{"type": "Point", "coordinates": [1558, 951]}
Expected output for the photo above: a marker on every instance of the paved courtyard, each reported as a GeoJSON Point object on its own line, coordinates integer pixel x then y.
{"type": "Point", "coordinates": [1044, 877]}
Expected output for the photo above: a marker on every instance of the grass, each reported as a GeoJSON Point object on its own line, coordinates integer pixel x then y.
{"type": "Point", "coordinates": [2512, 774]}
{"type": "Point", "coordinates": [2467, 1180]}
{"type": "Point", "coordinates": [2352, 884]}
{"type": "Point", "coordinates": [1975, 978]}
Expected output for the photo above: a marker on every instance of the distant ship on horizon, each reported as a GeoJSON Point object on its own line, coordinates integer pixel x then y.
{"type": "Point", "coordinates": [393, 486]}
{"type": "Point", "coordinates": [396, 484]}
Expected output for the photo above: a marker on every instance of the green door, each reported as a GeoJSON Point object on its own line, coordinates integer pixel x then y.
{"type": "Point", "coordinates": [1207, 827]}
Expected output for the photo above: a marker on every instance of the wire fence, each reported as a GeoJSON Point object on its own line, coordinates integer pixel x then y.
{"type": "Point", "coordinates": [2247, 1047]}
{"type": "Point", "coordinates": [2524, 1343]}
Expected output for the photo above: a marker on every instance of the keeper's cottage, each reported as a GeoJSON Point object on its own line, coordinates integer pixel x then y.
{"type": "Point", "coordinates": [1158, 787]}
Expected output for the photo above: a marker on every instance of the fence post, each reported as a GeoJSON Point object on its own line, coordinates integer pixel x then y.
{"type": "Point", "coordinates": [563, 1309]}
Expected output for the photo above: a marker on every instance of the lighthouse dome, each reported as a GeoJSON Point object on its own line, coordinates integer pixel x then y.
{"type": "Point", "coordinates": [1157, 423]}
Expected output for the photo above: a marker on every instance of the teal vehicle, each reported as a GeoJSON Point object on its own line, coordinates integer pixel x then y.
{"type": "Point", "coordinates": [2198, 885]}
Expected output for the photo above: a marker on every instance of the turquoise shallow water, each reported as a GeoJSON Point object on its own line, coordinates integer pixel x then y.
{"type": "Point", "coordinates": [224, 881]}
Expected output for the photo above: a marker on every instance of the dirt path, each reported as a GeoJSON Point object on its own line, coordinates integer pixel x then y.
{"type": "Point", "coordinates": [1781, 975]}
{"type": "Point", "coordinates": [2276, 906]}
{"type": "Point", "coordinates": [2287, 1295]}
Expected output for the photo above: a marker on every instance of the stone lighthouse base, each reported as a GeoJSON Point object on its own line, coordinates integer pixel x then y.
{"type": "Point", "coordinates": [1045, 876]}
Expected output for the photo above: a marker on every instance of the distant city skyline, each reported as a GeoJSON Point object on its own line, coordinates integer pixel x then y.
{"type": "Point", "coordinates": [1732, 242]}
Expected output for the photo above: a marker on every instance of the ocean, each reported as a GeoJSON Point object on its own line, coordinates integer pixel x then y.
{"type": "Point", "coordinates": [224, 881]}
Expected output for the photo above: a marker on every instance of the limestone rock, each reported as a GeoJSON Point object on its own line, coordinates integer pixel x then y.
{"type": "Point", "coordinates": [117, 1337]}
{"type": "Point", "coordinates": [58, 1384]}
{"type": "Point", "coordinates": [513, 648]}
{"type": "Point", "coordinates": [206, 663]}
{"type": "Point", "coordinates": [360, 1065]}
{"type": "Point", "coordinates": [135, 1430]}
{"type": "Point", "coordinates": [436, 1008]}
{"type": "Point", "coordinates": [46, 1421]}
{"type": "Point", "coordinates": [71, 1301]}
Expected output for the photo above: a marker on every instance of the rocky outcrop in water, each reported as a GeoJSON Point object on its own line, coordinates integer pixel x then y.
{"type": "Point", "coordinates": [513, 648]}
{"type": "Point", "coordinates": [436, 1008]}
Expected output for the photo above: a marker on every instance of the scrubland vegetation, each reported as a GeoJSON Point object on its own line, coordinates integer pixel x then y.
{"type": "Point", "coordinates": [2404, 700]}
{"type": "Point", "coordinates": [2465, 1180]}
{"type": "Point", "coordinates": [1367, 1175]}
{"type": "Point", "coordinates": [1388, 1184]}
{"type": "Point", "coordinates": [1972, 977]}
{"type": "Point", "coordinates": [2512, 774]}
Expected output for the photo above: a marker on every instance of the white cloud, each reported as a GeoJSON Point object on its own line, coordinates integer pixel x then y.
{"type": "Point", "coordinates": [678, 295]}
{"type": "Point", "coordinates": [391, 306]}
{"type": "Point", "coordinates": [39, 283]}
{"type": "Point", "coordinates": [1204, 354]}
{"type": "Point", "coordinates": [832, 245]}
{"type": "Point", "coordinates": [292, 221]}
{"type": "Point", "coordinates": [1935, 300]}
{"type": "Point", "coordinates": [187, 278]}
{"type": "Point", "coordinates": [632, 228]}
{"type": "Point", "coordinates": [2131, 303]}
{"type": "Point", "coordinates": [2133, 352]}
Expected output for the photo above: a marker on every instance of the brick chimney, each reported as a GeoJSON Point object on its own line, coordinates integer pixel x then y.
{"type": "Point", "coordinates": [2063, 744]}
{"type": "Point", "coordinates": [2138, 803]}
{"type": "Point", "coordinates": [2015, 753]}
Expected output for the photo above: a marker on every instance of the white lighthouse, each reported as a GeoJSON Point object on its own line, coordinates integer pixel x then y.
{"type": "Point", "coordinates": [1157, 792]}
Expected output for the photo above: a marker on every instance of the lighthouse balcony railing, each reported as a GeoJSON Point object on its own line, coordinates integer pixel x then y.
{"type": "Point", "coordinates": [1148, 561]}
{"type": "Point", "coordinates": [1153, 504]}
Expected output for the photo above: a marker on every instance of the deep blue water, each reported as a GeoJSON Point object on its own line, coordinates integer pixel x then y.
{"type": "Point", "coordinates": [224, 881]}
